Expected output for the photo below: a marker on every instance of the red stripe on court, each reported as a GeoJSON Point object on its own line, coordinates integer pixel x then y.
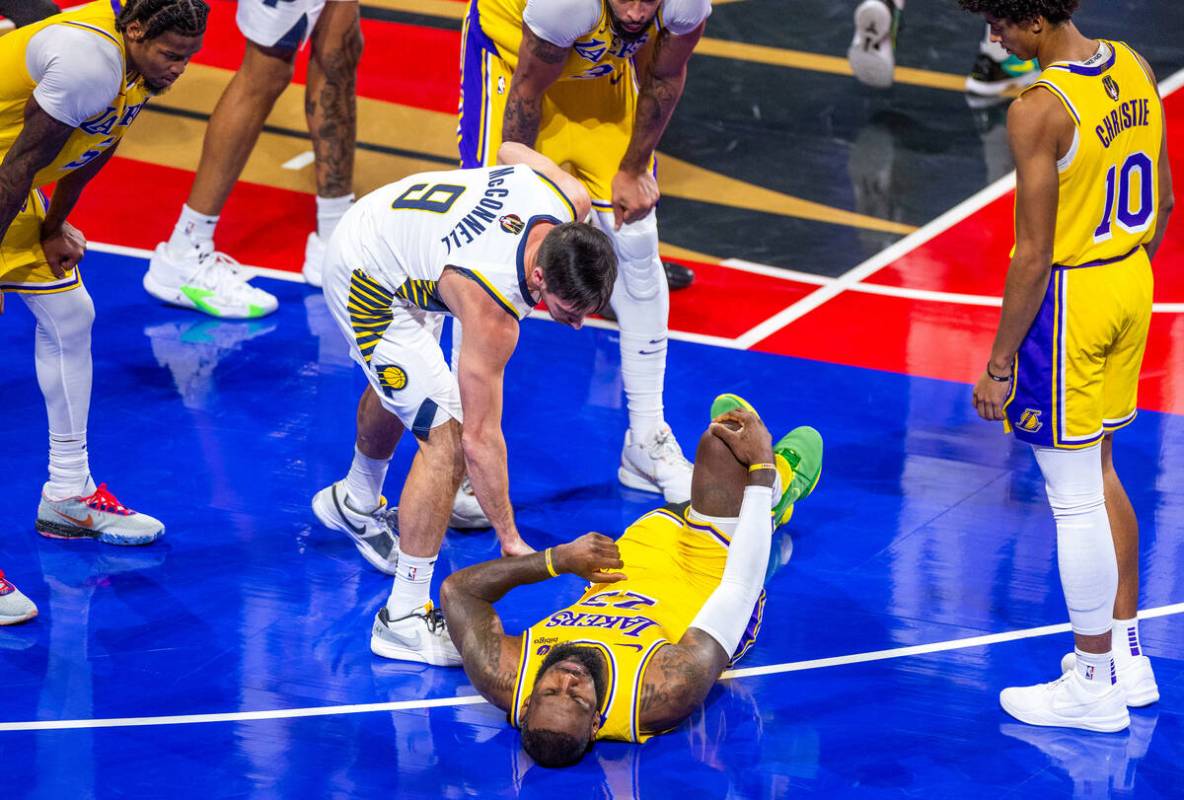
{"type": "Point", "coordinates": [407, 64]}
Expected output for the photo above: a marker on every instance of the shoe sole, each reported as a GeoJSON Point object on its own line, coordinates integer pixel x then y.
{"type": "Point", "coordinates": [869, 66]}
{"type": "Point", "coordinates": [18, 620]}
{"type": "Point", "coordinates": [633, 480]}
{"type": "Point", "coordinates": [385, 649]}
{"type": "Point", "coordinates": [54, 530]}
{"type": "Point", "coordinates": [329, 519]}
{"type": "Point", "coordinates": [1115, 724]}
{"type": "Point", "coordinates": [178, 298]}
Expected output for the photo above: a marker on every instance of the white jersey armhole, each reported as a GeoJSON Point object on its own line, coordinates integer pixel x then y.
{"type": "Point", "coordinates": [561, 22]}
{"type": "Point", "coordinates": [78, 73]}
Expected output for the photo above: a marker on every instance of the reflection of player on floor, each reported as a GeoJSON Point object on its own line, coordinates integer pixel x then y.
{"type": "Point", "coordinates": [591, 84]}
{"type": "Point", "coordinates": [671, 603]}
{"type": "Point", "coordinates": [70, 86]}
{"type": "Point", "coordinates": [873, 53]}
{"type": "Point", "coordinates": [484, 246]}
{"type": "Point", "coordinates": [187, 270]}
{"type": "Point", "coordinates": [1093, 196]}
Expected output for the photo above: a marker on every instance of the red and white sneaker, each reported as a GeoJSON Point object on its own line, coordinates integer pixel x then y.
{"type": "Point", "coordinates": [97, 515]}
{"type": "Point", "coordinates": [15, 608]}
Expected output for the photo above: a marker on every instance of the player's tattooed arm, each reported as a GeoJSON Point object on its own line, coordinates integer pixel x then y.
{"type": "Point", "coordinates": [41, 139]}
{"type": "Point", "coordinates": [69, 189]}
{"type": "Point", "coordinates": [331, 104]}
{"type": "Point", "coordinates": [663, 79]}
{"type": "Point", "coordinates": [490, 657]}
{"type": "Point", "coordinates": [539, 65]}
{"type": "Point", "coordinates": [678, 679]}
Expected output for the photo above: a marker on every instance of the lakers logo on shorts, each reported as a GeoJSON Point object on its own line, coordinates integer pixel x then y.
{"type": "Point", "coordinates": [511, 223]}
{"type": "Point", "coordinates": [391, 377]}
{"type": "Point", "coordinates": [1030, 421]}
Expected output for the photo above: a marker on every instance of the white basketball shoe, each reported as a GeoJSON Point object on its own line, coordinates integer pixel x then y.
{"type": "Point", "coordinates": [872, 53]}
{"type": "Point", "coordinates": [314, 260]}
{"type": "Point", "coordinates": [205, 280]}
{"type": "Point", "coordinates": [371, 531]}
{"type": "Point", "coordinates": [1068, 702]}
{"type": "Point", "coordinates": [656, 465]}
{"type": "Point", "coordinates": [15, 608]}
{"type": "Point", "coordinates": [420, 636]}
{"type": "Point", "coordinates": [1135, 678]}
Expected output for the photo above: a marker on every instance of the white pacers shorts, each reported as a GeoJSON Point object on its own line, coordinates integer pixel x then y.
{"type": "Point", "coordinates": [397, 344]}
{"type": "Point", "coordinates": [285, 24]}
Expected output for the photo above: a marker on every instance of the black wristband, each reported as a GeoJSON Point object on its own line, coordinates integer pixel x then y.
{"type": "Point", "coordinates": [996, 378]}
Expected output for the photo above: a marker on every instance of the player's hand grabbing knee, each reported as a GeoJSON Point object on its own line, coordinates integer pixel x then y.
{"type": "Point", "coordinates": [745, 435]}
{"type": "Point", "coordinates": [63, 249]}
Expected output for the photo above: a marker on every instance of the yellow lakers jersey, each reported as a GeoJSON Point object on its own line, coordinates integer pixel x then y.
{"type": "Point", "coordinates": [597, 54]}
{"type": "Point", "coordinates": [672, 565]}
{"type": "Point", "coordinates": [95, 135]}
{"type": "Point", "coordinates": [1109, 192]}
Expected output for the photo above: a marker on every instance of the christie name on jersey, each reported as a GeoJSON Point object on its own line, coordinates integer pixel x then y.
{"type": "Point", "coordinates": [474, 223]}
{"type": "Point", "coordinates": [1129, 114]}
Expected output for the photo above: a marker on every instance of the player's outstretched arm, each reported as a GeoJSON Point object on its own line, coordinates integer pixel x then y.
{"type": "Point", "coordinates": [574, 189]}
{"type": "Point", "coordinates": [539, 65]}
{"type": "Point", "coordinates": [41, 139]}
{"type": "Point", "coordinates": [682, 674]}
{"type": "Point", "coordinates": [1037, 124]}
{"type": "Point", "coordinates": [491, 658]}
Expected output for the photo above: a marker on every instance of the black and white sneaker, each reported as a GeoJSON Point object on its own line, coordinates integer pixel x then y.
{"type": "Point", "coordinates": [372, 531]}
{"type": "Point", "coordinates": [420, 636]}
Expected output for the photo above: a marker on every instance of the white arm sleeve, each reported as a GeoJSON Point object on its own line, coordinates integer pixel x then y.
{"type": "Point", "coordinates": [726, 613]}
{"type": "Point", "coordinates": [561, 22]}
{"type": "Point", "coordinates": [680, 17]}
{"type": "Point", "coordinates": [77, 73]}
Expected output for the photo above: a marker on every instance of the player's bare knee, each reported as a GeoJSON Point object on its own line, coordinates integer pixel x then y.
{"type": "Point", "coordinates": [267, 71]}
{"type": "Point", "coordinates": [717, 484]}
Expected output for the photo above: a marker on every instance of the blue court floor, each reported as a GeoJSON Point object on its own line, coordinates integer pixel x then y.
{"type": "Point", "coordinates": [928, 527]}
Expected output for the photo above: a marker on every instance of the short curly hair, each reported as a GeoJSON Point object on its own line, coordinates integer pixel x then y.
{"type": "Point", "coordinates": [183, 17]}
{"type": "Point", "coordinates": [1021, 11]}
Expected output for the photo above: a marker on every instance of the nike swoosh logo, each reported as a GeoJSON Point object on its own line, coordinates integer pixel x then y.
{"type": "Point", "coordinates": [89, 522]}
{"type": "Point", "coordinates": [650, 352]}
{"type": "Point", "coordinates": [341, 512]}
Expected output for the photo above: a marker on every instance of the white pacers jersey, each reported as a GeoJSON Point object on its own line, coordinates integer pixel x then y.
{"type": "Point", "coordinates": [475, 221]}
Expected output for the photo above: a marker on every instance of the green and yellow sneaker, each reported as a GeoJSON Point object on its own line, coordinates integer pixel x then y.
{"type": "Point", "coordinates": [729, 402]}
{"type": "Point", "coordinates": [799, 463]}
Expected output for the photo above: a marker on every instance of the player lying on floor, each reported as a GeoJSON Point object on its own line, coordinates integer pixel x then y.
{"type": "Point", "coordinates": [671, 604]}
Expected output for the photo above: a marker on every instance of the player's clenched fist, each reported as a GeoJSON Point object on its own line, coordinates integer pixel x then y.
{"type": "Point", "coordinates": [593, 557]}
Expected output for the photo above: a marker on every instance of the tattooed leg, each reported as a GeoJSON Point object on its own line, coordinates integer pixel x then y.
{"type": "Point", "coordinates": [330, 100]}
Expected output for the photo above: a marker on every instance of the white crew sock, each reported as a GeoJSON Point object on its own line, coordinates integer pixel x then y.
{"type": "Point", "coordinates": [363, 484]}
{"type": "Point", "coordinates": [413, 583]}
{"type": "Point", "coordinates": [68, 465]}
{"type": "Point", "coordinates": [1125, 641]}
{"type": "Point", "coordinates": [1096, 669]}
{"type": "Point", "coordinates": [192, 231]}
{"type": "Point", "coordinates": [330, 210]}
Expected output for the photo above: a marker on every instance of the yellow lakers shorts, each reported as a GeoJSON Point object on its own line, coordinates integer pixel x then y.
{"type": "Point", "coordinates": [585, 125]}
{"type": "Point", "coordinates": [23, 267]}
{"type": "Point", "coordinates": [1076, 376]}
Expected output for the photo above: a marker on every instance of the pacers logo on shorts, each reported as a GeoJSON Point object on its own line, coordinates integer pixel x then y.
{"type": "Point", "coordinates": [391, 377]}
{"type": "Point", "coordinates": [1030, 421]}
{"type": "Point", "coordinates": [511, 223]}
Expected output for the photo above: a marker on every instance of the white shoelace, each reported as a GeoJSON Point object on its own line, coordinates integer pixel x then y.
{"type": "Point", "coordinates": [664, 447]}
{"type": "Point", "coordinates": [222, 275]}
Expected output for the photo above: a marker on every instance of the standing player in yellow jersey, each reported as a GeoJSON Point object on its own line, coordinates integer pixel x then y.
{"type": "Point", "coordinates": [1093, 195]}
{"type": "Point", "coordinates": [591, 84]}
{"type": "Point", "coordinates": [671, 604]}
{"type": "Point", "coordinates": [70, 85]}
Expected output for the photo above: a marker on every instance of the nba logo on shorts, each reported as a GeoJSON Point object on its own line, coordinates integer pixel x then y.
{"type": "Point", "coordinates": [1030, 421]}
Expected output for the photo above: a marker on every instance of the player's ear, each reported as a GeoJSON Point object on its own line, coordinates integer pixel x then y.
{"type": "Point", "coordinates": [135, 30]}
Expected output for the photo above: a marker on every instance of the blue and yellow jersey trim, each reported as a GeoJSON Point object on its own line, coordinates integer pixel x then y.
{"type": "Point", "coordinates": [369, 307]}
{"type": "Point", "coordinates": [1060, 95]}
{"type": "Point", "coordinates": [527, 296]}
{"type": "Point", "coordinates": [528, 671]}
{"type": "Point", "coordinates": [635, 732]}
{"type": "Point", "coordinates": [563, 198]}
{"type": "Point", "coordinates": [93, 29]}
{"type": "Point", "coordinates": [490, 289]}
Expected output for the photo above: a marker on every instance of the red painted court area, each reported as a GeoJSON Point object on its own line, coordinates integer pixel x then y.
{"type": "Point", "coordinates": [908, 330]}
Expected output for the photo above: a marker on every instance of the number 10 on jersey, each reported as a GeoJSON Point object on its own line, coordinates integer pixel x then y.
{"type": "Point", "coordinates": [1131, 220]}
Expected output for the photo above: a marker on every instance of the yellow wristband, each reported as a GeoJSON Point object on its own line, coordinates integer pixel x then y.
{"type": "Point", "coordinates": [755, 467]}
{"type": "Point", "coordinates": [550, 565]}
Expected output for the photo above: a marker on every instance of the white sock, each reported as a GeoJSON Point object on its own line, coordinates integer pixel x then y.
{"type": "Point", "coordinates": [1096, 669]}
{"type": "Point", "coordinates": [363, 484]}
{"type": "Point", "coordinates": [68, 465]}
{"type": "Point", "coordinates": [1125, 639]}
{"type": "Point", "coordinates": [193, 230]}
{"type": "Point", "coordinates": [413, 583]}
{"type": "Point", "coordinates": [329, 212]}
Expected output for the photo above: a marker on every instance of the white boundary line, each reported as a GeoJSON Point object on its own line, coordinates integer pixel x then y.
{"type": "Point", "coordinates": [470, 700]}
